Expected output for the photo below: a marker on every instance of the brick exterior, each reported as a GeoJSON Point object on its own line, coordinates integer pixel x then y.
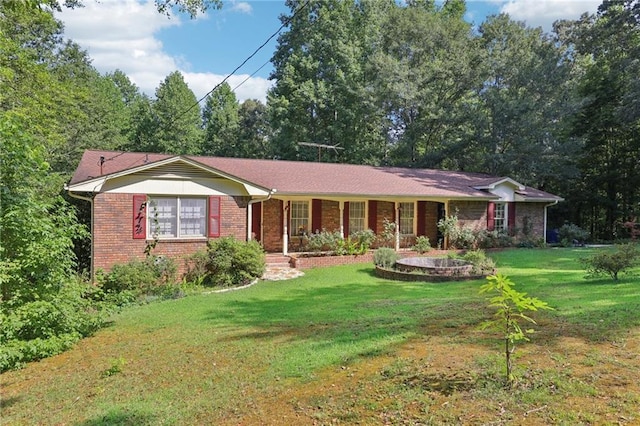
{"type": "Point", "coordinates": [113, 231]}
{"type": "Point", "coordinates": [534, 212]}
{"type": "Point", "coordinates": [272, 225]}
{"type": "Point", "coordinates": [431, 222]}
{"type": "Point", "coordinates": [470, 213]}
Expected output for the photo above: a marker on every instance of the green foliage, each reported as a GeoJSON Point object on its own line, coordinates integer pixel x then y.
{"type": "Point", "coordinates": [387, 237]}
{"type": "Point", "coordinates": [510, 306]}
{"type": "Point", "coordinates": [41, 328]}
{"type": "Point", "coordinates": [622, 258]}
{"type": "Point", "coordinates": [356, 243]}
{"type": "Point", "coordinates": [571, 234]}
{"type": "Point", "coordinates": [495, 238]}
{"type": "Point", "coordinates": [459, 237]}
{"type": "Point", "coordinates": [234, 263]}
{"type": "Point", "coordinates": [385, 257]}
{"type": "Point", "coordinates": [153, 276]}
{"type": "Point", "coordinates": [482, 264]}
{"type": "Point", "coordinates": [116, 367]}
{"type": "Point", "coordinates": [323, 241]}
{"type": "Point", "coordinates": [422, 244]}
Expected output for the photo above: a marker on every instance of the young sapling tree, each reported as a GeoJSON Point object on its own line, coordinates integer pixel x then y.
{"type": "Point", "coordinates": [511, 306]}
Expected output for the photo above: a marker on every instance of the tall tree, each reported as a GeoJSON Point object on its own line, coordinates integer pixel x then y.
{"type": "Point", "coordinates": [323, 91]}
{"type": "Point", "coordinates": [608, 120]}
{"type": "Point", "coordinates": [525, 100]}
{"type": "Point", "coordinates": [220, 116]}
{"type": "Point", "coordinates": [254, 131]}
{"type": "Point", "coordinates": [427, 66]}
{"type": "Point", "coordinates": [176, 115]}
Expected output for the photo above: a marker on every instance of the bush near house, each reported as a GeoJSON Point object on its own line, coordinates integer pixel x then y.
{"type": "Point", "coordinates": [231, 263]}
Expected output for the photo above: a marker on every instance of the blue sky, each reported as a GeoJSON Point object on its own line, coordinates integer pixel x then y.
{"type": "Point", "coordinates": [131, 36]}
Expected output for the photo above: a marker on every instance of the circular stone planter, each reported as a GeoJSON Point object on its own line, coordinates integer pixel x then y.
{"type": "Point", "coordinates": [429, 269]}
{"type": "Point", "coordinates": [435, 266]}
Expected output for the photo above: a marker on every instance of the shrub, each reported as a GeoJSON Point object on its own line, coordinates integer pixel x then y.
{"type": "Point", "coordinates": [385, 257]}
{"type": "Point", "coordinates": [323, 241]}
{"type": "Point", "coordinates": [138, 278]}
{"type": "Point", "coordinates": [422, 244]}
{"type": "Point", "coordinates": [482, 264]}
{"type": "Point", "coordinates": [363, 240]}
{"type": "Point", "coordinates": [388, 235]}
{"type": "Point", "coordinates": [459, 236]}
{"type": "Point", "coordinates": [233, 263]}
{"type": "Point", "coordinates": [196, 267]}
{"type": "Point", "coordinates": [570, 234]}
{"type": "Point", "coordinates": [496, 238]}
{"type": "Point", "coordinates": [620, 260]}
{"type": "Point", "coordinates": [41, 328]}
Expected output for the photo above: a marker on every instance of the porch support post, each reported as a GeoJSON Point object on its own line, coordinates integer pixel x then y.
{"type": "Point", "coordinates": [249, 221]}
{"type": "Point", "coordinates": [285, 228]}
{"type": "Point", "coordinates": [397, 236]}
{"type": "Point", "coordinates": [341, 204]}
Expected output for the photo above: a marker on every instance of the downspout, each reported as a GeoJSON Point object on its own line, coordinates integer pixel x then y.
{"type": "Point", "coordinates": [544, 226]}
{"type": "Point", "coordinates": [90, 200]}
{"type": "Point", "coordinates": [250, 212]}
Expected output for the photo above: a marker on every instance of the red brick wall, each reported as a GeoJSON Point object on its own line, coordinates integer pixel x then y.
{"type": "Point", "coordinates": [330, 215]}
{"type": "Point", "coordinates": [113, 231]}
{"type": "Point", "coordinates": [534, 212]}
{"type": "Point", "coordinates": [272, 225]}
{"type": "Point", "coordinates": [472, 214]}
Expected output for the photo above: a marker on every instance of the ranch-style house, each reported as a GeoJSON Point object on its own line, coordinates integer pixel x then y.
{"type": "Point", "coordinates": [182, 201]}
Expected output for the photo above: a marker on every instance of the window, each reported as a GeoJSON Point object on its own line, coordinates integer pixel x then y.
{"type": "Point", "coordinates": [299, 217]}
{"type": "Point", "coordinates": [176, 217]}
{"type": "Point", "coordinates": [500, 217]}
{"type": "Point", "coordinates": [356, 216]}
{"type": "Point", "coordinates": [406, 218]}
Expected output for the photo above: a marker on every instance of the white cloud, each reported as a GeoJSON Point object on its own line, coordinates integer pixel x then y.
{"type": "Point", "coordinates": [241, 6]}
{"type": "Point", "coordinates": [254, 88]}
{"type": "Point", "coordinates": [542, 13]}
{"type": "Point", "coordinates": [122, 35]}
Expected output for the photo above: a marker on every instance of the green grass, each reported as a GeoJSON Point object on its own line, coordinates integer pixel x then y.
{"type": "Point", "coordinates": [194, 359]}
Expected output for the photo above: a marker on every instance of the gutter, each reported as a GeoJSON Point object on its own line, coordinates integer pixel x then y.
{"type": "Point", "coordinates": [90, 200]}
{"type": "Point", "coordinates": [544, 226]}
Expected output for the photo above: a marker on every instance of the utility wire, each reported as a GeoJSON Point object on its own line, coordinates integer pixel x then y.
{"type": "Point", "coordinates": [284, 24]}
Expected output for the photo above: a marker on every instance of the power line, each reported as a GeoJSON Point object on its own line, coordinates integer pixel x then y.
{"type": "Point", "coordinates": [284, 24]}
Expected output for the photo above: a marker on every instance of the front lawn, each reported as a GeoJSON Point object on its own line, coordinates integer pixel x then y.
{"type": "Point", "coordinates": [340, 345]}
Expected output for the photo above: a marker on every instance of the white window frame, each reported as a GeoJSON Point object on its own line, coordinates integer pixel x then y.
{"type": "Point", "coordinates": [407, 218]}
{"type": "Point", "coordinates": [500, 216]}
{"type": "Point", "coordinates": [180, 218]}
{"type": "Point", "coordinates": [357, 216]}
{"type": "Point", "coordinates": [299, 218]}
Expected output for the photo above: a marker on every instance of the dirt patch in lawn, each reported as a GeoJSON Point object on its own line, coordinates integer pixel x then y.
{"type": "Point", "coordinates": [442, 380]}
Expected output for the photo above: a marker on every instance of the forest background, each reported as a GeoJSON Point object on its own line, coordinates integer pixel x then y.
{"type": "Point", "coordinates": [410, 85]}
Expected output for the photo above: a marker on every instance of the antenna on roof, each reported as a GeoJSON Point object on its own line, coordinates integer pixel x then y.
{"type": "Point", "coordinates": [320, 147]}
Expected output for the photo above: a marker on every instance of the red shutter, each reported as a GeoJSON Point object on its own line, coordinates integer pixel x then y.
{"type": "Point", "coordinates": [491, 216]}
{"type": "Point", "coordinates": [139, 217]}
{"type": "Point", "coordinates": [422, 213]}
{"type": "Point", "coordinates": [373, 215]}
{"type": "Point", "coordinates": [511, 217]}
{"type": "Point", "coordinates": [345, 219]}
{"type": "Point", "coordinates": [316, 216]}
{"type": "Point", "coordinates": [214, 216]}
